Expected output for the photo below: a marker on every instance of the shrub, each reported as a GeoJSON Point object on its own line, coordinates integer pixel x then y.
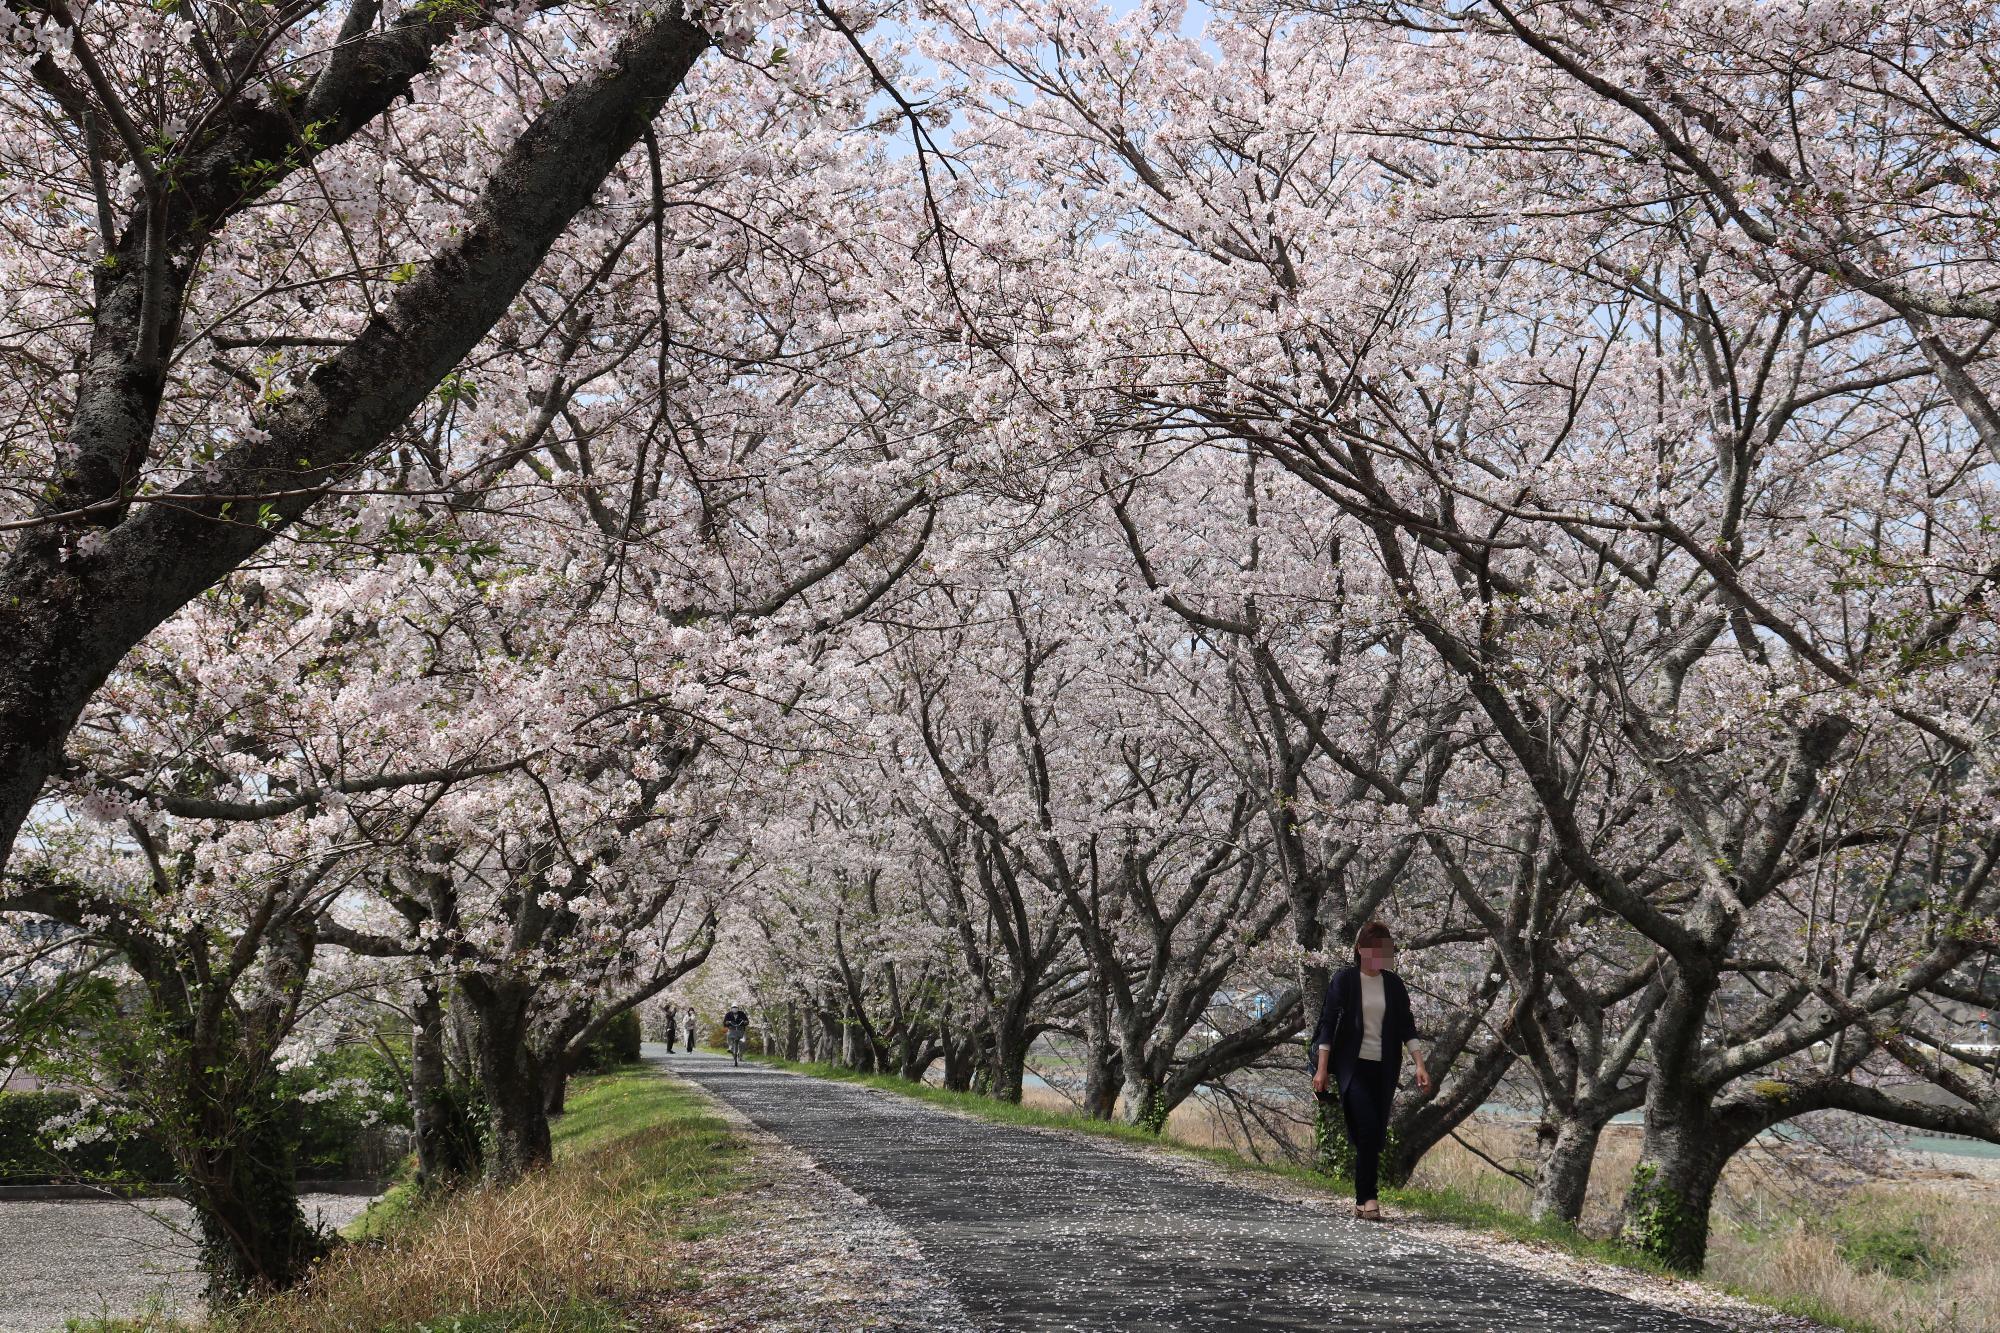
{"type": "Point", "coordinates": [345, 1101]}
{"type": "Point", "coordinates": [617, 1045]}
{"type": "Point", "coordinates": [335, 1107]}
{"type": "Point", "coordinates": [28, 1157]}
{"type": "Point", "coordinates": [1897, 1247]}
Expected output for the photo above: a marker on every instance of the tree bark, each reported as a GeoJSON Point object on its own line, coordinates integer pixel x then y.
{"type": "Point", "coordinates": [1141, 1102]}
{"type": "Point", "coordinates": [1332, 1153]}
{"type": "Point", "coordinates": [1008, 1061]}
{"type": "Point", "coordinates": [1418, 1124]}
{"type": "Point", "coordinates": [1562, 1177]}
{"type": "Point", "coordinates": [961, 1061]}
{"type": "Point", "coordinates": [447, 1139]}
{"type": "Point", "coordinates": [1673, 1182]}
{"type": "Point", "coordinates": [254, 1233]}
{"type": "Point", "coordinates": [1100, 1053]}
{"type": "Point", "coordinates": [555, 1088]}
{"type": "Point", "coordinates": [1673, 1186]}
{"type": "Point", "coordinates": [510, 1078]}
{"type": "Point", "coordinates": [916, 1061]}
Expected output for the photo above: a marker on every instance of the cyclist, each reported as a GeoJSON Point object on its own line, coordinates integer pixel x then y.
{"type": "Point", "coordinates": [736, 1026]}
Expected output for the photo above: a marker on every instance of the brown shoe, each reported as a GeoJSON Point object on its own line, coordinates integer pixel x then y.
{"type": "Point", "coordinates": [1370, 1211]}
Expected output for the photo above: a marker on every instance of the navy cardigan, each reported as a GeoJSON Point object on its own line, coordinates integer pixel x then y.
{"type": "Point", "coordinates": [1340, 1025]}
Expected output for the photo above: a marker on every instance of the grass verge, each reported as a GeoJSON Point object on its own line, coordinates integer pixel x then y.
{"type": "Point", "coordinates": [566, 1251]}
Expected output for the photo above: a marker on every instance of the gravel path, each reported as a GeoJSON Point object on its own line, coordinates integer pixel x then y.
{"type": "Point", "coordinates": [1050, 1231]}
{"type": "Point", "coordinates": [76, 1259]}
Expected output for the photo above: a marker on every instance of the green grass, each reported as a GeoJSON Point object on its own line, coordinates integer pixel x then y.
{"type": "Point", "coordinates": [397, 1207]}
{"type": "Point", "coordinates": [681, 1168]}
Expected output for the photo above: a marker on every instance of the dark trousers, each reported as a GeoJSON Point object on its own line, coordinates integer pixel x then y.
{"type": "Point", "coordinates": [671, 1034]}
{"type": "Point", "coordinates": [1364, 1103]}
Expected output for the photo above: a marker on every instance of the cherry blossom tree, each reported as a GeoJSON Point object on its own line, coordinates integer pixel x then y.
{"type": "Point", "coordinates": [1597, 459]}
{"type": "Point", "coordinates": [1019, 521]}
{"type": "Point", "coordinates": [222, 794]}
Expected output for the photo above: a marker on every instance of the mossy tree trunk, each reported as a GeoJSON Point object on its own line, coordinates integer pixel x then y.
{"type": "Point", "coordinates": [238, 1171]}
{"type": "Point", "coordinates": [1418, 1124]}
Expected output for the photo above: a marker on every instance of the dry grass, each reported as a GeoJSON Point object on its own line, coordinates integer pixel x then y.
{"type": "Point", "coordinates": [1827, 1260]}
{"type": "Point", "coordinates": [1788, 1245]}
{"type": "Point", "coordinates": [560, 1240]}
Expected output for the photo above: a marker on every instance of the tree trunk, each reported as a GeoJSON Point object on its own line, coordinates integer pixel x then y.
{"type": "Point", "coordinates": [1673, 1184]}
{"type": "Point", "coordinates": [510, 1077]}
{"type": "Point", "coordinates": [516, 1116]}
{"type": "Point", "coordinates": [1101, 1060]}
{"type": "Point", "coordinates": [1007, 1065]}
{"type": "Point", "coordinates": [1100, 1085]}
{"type": "Point", "coordinates": [254, 1235]}
{"type": "Point", "coordinates": [555, 1087]}
{"type": "Point", "coordinates": [827, 1043]}
{"type": "Point", "coordinates": [447, 1139]}
{"type": "Point", "coordinates": [1416, 1125]}
{"type": "Point", "coordinates": [857, 1052]}
{"type": "Point", "coordinates": [1562, 1178]}
{"type": "Point", "coordinates": [960, 1062]}
{"type": "Point", "coordinates": [919, 1054]}
{"type": "Point", "coordinates": [1332, 1153]}
{"type": "Point", "coordinates": [792, 1031]}
{"type": "Point", "coordinates": [1144, 1103]}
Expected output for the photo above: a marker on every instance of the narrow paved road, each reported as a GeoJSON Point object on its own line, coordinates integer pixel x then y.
{"type": "Point", "coordinates": [1039, 1232]}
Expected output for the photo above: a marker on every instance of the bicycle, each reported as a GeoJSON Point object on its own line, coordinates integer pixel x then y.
{"type": "Point", "coordinates": [736, 1037]}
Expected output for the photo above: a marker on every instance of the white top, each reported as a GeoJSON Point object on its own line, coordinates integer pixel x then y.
{"type": "Point", "coordinates": [1373, 1003]}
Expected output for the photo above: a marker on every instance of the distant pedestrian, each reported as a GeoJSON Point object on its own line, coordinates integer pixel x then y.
{"type": "Point", "coordinates": [673, 1030]}
{"type": "Point", "coordinates": [1364, 1024]}
{"type": "Point", "coordinates": [690, 1022]}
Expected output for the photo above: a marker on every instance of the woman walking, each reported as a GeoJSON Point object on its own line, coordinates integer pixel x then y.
{"type": "Point", "coordinates": [1364, 1023]}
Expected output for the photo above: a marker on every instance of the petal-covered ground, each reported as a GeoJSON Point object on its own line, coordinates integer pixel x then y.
{"type": "Point", "coordinates": [77, 1259]}
{"type": "Point", "coordinates": [1037, 1230]}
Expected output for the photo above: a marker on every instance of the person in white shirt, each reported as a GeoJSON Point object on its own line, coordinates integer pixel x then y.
{"type": "Point", "coordinates": [1364, 1025]}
